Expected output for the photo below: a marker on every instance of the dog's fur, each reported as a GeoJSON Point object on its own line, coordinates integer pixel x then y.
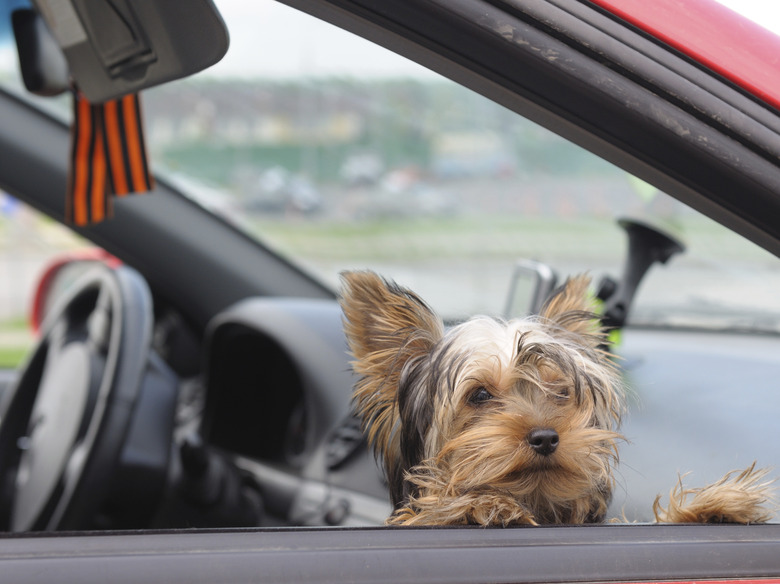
{"type": "Point", "coordinates": [500, 423]}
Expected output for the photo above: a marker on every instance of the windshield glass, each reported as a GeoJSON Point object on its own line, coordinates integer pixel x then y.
{"type": "Point", "coordinates": [342, 155]}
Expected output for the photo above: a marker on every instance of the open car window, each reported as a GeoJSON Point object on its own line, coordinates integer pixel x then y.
{"type": "Point", "coordinates": [341, 155]}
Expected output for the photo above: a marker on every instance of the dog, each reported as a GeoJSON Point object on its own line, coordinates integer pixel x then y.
{"type": "Point", "coordinates": [503, 423]}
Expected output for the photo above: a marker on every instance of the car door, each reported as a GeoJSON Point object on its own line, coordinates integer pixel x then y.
{"type": "Point", "coordinates": [612, 553]}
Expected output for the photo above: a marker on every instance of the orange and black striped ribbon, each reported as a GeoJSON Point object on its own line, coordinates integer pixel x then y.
{"type": "Point", "coordinates": [108, 157]}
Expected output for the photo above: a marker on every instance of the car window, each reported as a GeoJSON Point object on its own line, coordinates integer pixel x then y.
{"type": "Point", "coordinates": [343, 155]}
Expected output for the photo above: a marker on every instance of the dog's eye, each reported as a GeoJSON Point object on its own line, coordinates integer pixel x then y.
{"type": "Point", "coordinates": [480, 395]}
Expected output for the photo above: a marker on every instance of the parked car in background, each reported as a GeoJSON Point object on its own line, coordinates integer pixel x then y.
{"type": "Point", "coordinates": [184, 412]}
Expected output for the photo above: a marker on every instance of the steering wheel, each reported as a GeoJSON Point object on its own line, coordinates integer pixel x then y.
{"type": "Point", "coordinates": [64, 423]}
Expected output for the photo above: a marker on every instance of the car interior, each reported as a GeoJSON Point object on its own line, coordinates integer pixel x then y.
{"type": "Point", "coordinates": [207, 381]}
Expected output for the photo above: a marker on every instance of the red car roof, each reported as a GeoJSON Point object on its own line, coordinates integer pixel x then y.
{"type": "Point", "coordinates": [715, 36]}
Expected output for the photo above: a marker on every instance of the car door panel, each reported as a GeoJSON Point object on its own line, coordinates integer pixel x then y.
{"type": "Point", "coordinates": [615, 553]}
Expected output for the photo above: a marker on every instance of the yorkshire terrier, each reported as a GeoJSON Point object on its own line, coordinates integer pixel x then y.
{"type": "Point", "coordinates": [503, 423]}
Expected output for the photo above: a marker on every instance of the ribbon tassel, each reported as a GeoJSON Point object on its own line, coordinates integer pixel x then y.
{"type": "Point", "coordinates": [108, 157]}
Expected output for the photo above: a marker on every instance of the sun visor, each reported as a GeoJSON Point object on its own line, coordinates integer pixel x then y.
{"type": "Point", "coordinates": [118, 47]}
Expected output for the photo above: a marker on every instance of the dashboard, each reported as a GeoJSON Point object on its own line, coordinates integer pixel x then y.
{"type": "Point", "coordinates": [278, 393]}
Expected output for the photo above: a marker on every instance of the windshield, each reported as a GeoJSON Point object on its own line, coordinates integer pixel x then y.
{"type": "Point", "coordinates": [342, 155]}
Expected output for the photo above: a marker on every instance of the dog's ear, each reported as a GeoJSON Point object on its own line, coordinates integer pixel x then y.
{"type": "Point", "coordinates": [387, 327]}
{"type": "Point", "coordinates": [383, 319]}
{"type": "Point", "coordinates": [572, 307]}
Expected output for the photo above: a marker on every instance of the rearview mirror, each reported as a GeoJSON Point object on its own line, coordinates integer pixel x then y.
{"type": "Point", "coordinates": [117, 47]}
{"type": "Point", "coordinates": [41, 62]}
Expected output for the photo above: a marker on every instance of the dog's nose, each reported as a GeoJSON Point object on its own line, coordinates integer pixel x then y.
{"type": "Point", "coordinates": [544, 441]}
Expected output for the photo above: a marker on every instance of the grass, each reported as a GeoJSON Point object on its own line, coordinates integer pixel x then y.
{"type": "Point", "coordinates": [477, 237]}
{"type": "Point", "coordinates": [465, 237]}
{"type": "Point", "coordinates": [12, 357]}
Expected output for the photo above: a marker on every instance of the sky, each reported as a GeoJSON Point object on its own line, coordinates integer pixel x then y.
{"type": "Point", "coordinates": [764, 12]}
{"type": "Point", "coordinates": [259, 28]}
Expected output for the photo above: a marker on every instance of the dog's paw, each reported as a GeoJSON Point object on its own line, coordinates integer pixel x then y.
{"type": "Point", "coordinates": [739, 497]}
{"type": "Point", "coordinates": [488, 511]}
{"type": "Point", "coordinates": [403, 516]}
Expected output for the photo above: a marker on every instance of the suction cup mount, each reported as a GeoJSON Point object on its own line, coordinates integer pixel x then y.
{"type": "Point", "coordinates": [646, 246]}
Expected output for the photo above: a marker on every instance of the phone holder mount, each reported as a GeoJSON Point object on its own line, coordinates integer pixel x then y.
{"type": "Point", "coordinates": [646, 246]}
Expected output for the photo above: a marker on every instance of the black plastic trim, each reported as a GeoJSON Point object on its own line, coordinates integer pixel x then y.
{"type": "Point", "coordinates": [645, 60]}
